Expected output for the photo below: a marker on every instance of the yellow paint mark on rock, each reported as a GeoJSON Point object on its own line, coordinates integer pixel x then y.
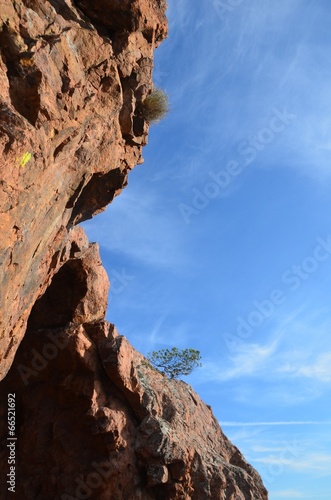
{"type": "Point", "coordinates": [27, 61]}
{"type": "Point", "coordinates": [25, 159]}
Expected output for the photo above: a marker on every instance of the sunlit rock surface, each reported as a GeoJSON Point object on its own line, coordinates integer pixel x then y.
{"type": "Point", "coordinates": [93, 420]}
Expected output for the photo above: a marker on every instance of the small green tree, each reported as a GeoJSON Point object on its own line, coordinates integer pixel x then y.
{"type": "Point", "coordinates": [175, 362]}
{"type": "Point", "coordinates": [155, 106]}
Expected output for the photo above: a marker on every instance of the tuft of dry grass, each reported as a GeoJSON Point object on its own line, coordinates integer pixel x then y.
{"type": "Point", "coordinates": [155, 106]}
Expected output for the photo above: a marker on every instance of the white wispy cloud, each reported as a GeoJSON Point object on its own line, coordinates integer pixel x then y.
{"type": "Point", "coordinates": [288, 494]}
{"type": "Point", "coordinates": [249, 360]}
{"type": "Point", "coordinates": [314, 463]}
{"type": "Point", "coordinates": [155, 333]}
{"type": "Point", "coordinates": [164, 334]}
{"type": "Point", "coordinates": [294, 351]}
{"type": "Point", "coordinates": [257, 424]}
{"type": "Point", "coordinates": [320, 369]}
{"type": "Point", "coordinates": [303, 364]}
{"type": "Point", "coordinates": [237, 45]}
{"type": "Point", "coordinates": [146, 233]}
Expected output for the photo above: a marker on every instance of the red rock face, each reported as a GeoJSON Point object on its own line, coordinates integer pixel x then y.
{"type": "Point", "coordinates": [93, 419]}
{"type": "Point", "coordinates": [72, 75]}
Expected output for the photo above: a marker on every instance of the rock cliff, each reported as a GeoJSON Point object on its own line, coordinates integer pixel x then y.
{"type": "Point", "coordinates": [71, 77]}
{"type": "Point", "coordinates": [93, 420]}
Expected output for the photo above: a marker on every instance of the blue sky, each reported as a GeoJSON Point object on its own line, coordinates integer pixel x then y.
{"type": "Point", "coordinates": [222, 240]}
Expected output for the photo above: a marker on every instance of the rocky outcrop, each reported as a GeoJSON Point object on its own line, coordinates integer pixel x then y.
{"type": "Point", "coordinates": [72, 74]}
{"type": "Point", "coordinates": [93, 419]}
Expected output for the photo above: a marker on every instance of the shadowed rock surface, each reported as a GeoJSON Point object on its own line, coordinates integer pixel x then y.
{"type": "Point", "coordinates": [94, 420]}
{"type": "Point", "coordinates": [72, 75]}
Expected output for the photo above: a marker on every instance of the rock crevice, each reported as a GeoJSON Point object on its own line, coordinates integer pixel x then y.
{"type": "Point", "coordinates": [89, 402]}
{"type": "Point", "coordinates": [93, 419]}
{"type": "Point", "coordinates": [71, 76]}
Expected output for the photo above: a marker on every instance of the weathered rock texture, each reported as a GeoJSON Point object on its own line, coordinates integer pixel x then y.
{"type": "Point", "coordinates": [93, 419]}
{"type": "Point", "coordinates": [72, 74]}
